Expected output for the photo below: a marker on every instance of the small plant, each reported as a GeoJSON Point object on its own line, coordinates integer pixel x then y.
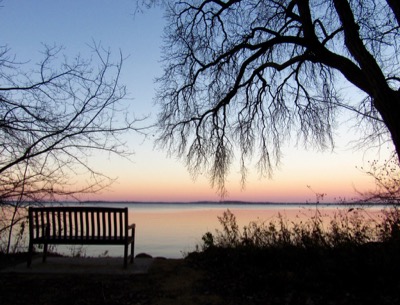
{"type": "Point", "coordinates": [230, 235]}
{"type": "Point", "coordinates": [104, 254]}
{"type": "Point", "coordinates": [389, 227]}
{"type": "Point", "coordinates": [208, 240]}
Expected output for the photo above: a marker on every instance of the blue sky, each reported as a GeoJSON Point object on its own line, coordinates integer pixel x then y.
{"type": "Point", "coordinates": [151, 176]}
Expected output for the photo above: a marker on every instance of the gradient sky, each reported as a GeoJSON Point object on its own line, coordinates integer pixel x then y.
{"type": "Point", "coordinates": [150, 175]}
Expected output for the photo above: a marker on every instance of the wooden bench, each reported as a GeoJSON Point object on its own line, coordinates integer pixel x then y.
{"type": "Point", "coordinates": [72, 225]}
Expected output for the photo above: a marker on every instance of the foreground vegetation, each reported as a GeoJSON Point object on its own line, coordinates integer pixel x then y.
{"type": "Point", "coordinates": [350, 260]}
{"type": "Point", "coordinates": [345, 227]}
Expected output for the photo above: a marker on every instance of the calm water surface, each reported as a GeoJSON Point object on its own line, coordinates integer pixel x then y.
{"type": "Point", "coordinates": [173, 229]}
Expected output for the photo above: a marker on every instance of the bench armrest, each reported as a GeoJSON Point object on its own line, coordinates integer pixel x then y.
{"type": "Point", "coordinates": [131, 226]}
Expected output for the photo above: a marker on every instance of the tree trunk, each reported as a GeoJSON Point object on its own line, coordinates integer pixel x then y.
{"type": "Point", "coordinates": [395, 6]}
{"type": "Point", "coordinates": [394, 115]}
{"type": "Point", "coordinates": [386, 100]}
{"type": "Point", "coordinates": [389, 109]}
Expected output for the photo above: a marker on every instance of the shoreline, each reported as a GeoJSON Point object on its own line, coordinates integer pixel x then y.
{"type": "Point", "coordinates": [225, 203]}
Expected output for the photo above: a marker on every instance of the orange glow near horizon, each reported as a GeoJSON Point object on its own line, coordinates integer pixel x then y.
{"type": "Point", "coordinates": [283, 190]}
{"type": "Point", "coordinates": [153, 177]}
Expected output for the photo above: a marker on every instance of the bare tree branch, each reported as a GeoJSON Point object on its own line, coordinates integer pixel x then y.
{"type": "Point", "coordinates": [247, 75]}
{"type": "Point", "coordinates": [53, 118]}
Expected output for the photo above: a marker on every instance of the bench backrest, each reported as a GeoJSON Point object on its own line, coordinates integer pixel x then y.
{"type": "Point", "coordinates": [78, 222]}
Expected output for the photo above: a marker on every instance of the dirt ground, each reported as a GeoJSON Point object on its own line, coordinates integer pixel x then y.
{"type": "Point", "coordinates": [365, 275]}
{"type": "Point", "coordinates": [167, 282]}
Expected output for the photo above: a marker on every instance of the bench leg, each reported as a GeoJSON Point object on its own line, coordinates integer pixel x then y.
{"type": "Point", "coordinates": [46, 245]}
{"type": "Point", "coordinates": [132, 252]}
{"type": "Point", "coordinates": [133, 245]}
{"type": "Point", "coordinates": [45, 252]}
{"type": "Point", "coordinates": [126, 256]}
{"type": "Point", "coordinates": [30, 253]}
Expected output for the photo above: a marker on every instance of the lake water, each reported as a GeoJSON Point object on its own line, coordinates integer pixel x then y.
{"type": "Point", "coordinates": [172, 229]}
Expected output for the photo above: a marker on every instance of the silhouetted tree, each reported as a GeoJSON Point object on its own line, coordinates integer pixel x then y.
{"type": "Point", "coordinates": [248, 74]}
{"type": "Point", "coordinates": [51, 119]}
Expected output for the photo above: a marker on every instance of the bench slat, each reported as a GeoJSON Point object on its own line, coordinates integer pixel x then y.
{"type": "Point", "coordinates": [53, 216]}
{"type": "Point", "coordinates": [115, 234]}
{"type": "Point", "coordinates": [39, 224]}
{"type": "Point", "coordinates": [47, 222]}
{"type": "Point", "coordinates": [59, 223]}
{"type": "Point", "coordinates": [70, 222]}
{"type": "Point", "coordinates": [121, 232]}
{"type": "Point", "coordinates": [81, 224]}
{"type": "Point", "coordinates": [104, 224]}
{"type": "Point", "coordinates": [109, 225]}
{"type": "Point", "coordinates": [75, 221]}
{"type": "Point", "coordinates": [93, 233]}
{"type": "Point", "coordinates": [98, 224]}
{"type": "Point", "coordinates": [36, 223]}
{"type": "Point", "coordinates": [86, 224]}
{"type": "Point", "coordinates": [65, 224]}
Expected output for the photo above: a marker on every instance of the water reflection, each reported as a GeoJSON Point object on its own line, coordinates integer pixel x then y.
{"type": "Point", "coordinates": [171, 230]}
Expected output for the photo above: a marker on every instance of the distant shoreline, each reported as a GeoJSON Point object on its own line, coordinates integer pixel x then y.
{"type": "Point", "coordinates": [221, 203]}
{"type": "Point", "coordinates": [230, 202]}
